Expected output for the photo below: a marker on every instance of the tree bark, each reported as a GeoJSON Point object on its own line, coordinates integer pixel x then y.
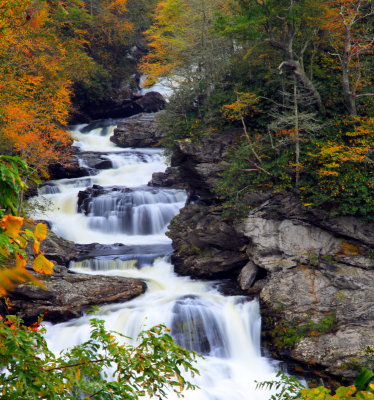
{"type": "Point", "coordinates": [303, 79]}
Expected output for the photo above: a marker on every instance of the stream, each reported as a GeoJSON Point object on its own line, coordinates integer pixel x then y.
{"type": "Point", "coordinates": [226, 330]}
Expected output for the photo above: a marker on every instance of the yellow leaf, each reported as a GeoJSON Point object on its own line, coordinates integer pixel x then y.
{"type": "Point", "coordinates": [41, 231]}
{"type": "Point", "coordinates": [20, 261]}
{"type": "Point", "coordinates": [77, 374]}
{"type": "Point", "coordinates": [4, 252]}
{"type": "Point", "coordinates": [36, 246]}
{"type": "Point", "coordinates": [12, 225]}
{"type": "Point", "coordinates": [22, 241]}
{"type": "Point", "coordinates": [42, 265]}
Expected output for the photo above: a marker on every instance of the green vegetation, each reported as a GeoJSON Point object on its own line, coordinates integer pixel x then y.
{"type": "Point", "coordinates": [288, 387]}
{"type": "Point", "coordinates": [288, 334]}
{"type": "Point", "coordinates": [101, 368]}
{"type": "Point", "coordinates": [292, 82]}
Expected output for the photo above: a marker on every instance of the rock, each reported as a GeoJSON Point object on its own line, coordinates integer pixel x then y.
{"type": "Point", "coordinates": [200, 164]}
{"type": "Point", "coordinates": [123, 103]}
{"type": "Point", "coordinates": [138, 131]}
{"type": "Point", "coordinates": [55, 248]}
{"type": "Point", "coordinates": [74, 170]}
{"type": "Point", "coordinates": [205, 246]}
{"type": "Point", "coordinates": [283, 244]}
{"type": "Point", "coordinates": [170, 178]}
{"type": "Point", "coordinates": [151, 102]}
{"type": "Point", "coordinates": [341, 353]}
{"type": "Point", "coordinates": [95, 161]}
{"type": "Point", "coordinates": [247, 276]}
{"type": "Point", "coordinates": [316, 277]}
{"type": "Point", "coordinates": [68, 295]}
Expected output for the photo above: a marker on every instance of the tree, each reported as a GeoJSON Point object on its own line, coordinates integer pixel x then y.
{"type": "Point", "coordinates": [101, 368]}
{"type": "Point", "coordinates": [183, 45]}
{"type": "Point", "coordinates": [292, 120]}
{"type": "Point", "coordinates": [13, 240]}
{"type": "Point", "coordinates": [35, 98]}
{"type": "Point", "coordinates": [287, 26]}
{"type": "Point", "coordinates": [350, 27]}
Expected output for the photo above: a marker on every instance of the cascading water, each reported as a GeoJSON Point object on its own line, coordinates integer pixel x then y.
{"type": "Point", "coordinates": [226, 330]}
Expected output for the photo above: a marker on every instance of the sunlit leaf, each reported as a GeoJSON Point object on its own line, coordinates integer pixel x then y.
{"type": "Point", "coordinates": [42, 265]}
{"type": "Point", "coordinates": [12, 225]}
{"type": "Point", "coordinates": [41, 232]}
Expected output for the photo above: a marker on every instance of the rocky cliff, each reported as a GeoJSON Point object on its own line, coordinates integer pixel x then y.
{"type": "Point", "coordinates": [313, 273]}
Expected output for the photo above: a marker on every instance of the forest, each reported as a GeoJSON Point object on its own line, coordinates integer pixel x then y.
{"type": "Point", "coordinates": [290, 81]}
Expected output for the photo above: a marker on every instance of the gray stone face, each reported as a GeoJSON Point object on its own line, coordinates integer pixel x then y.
{"type": "Point", "coordinates": [314, 273]}
{"type": "Point", "coordinates": [140, 130]}
{"type": "Point", "coordinates": [279, 244]}
{"type": "Point", "coordinates": [247, 276]}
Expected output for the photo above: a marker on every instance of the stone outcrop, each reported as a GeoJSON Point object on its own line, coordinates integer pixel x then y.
{"type": "Point", "coordinates": [314, 273]}
{"type": "Point", "coordinates": [68, 295]}
{"type": "Point", "coordinates": [200, 164]}
{"type": "Point", "coordinates": [124, 103]}
{"type": "Point", "coordinates": [138, 131]}
{"type": "Point", "coordinates": [171, 178]}
{"type": "Point", "coordinates": [73, 170]}
{"type": "Point", "coordinates": [321, 278]}
{"type": "Point", "coordinates": [205, 246]}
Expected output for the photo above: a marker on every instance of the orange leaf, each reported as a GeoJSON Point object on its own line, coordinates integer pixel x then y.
{"type": "Point", "coordinates": [42, 265]}
{"type": "Point", "coordinates": [12, 225]}
{"type": "Point", "coordinates": [20, 261]}
{"type": "Point", "coordinates": [41, 232]}
{"type": "Point", "coordinates": [36, 246]}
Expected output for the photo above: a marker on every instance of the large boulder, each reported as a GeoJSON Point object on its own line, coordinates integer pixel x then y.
{"type": "Point", "coordinates": [171, 178]}
{"type": "Point", "coordinates": [140, 130]}
{"type": "Point", "coordinates": [123, 103]}
{"type": "Point", "coordinates": [200, 164]}
{"type": "Point", "coordinates": [205, 245]}
{"type": "Point", "coordinates": [67, 295]}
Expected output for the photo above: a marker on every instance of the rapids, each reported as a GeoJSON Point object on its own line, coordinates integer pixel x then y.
{"type": "Point", "coordinates": [226, 330]}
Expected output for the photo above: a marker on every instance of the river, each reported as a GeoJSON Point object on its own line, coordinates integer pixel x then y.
{"type": "Point", "coordinates": [226, 330]}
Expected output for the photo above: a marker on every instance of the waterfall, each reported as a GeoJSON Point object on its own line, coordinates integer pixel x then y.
{"type": "Point", "coordinates": [226, 330]}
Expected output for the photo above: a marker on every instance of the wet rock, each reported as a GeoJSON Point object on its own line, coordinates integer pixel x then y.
{"type": "Point", "coordinates": [205, 245]}
{"type": "Point", "coordinates": [74, 170]}
{"type": "Point", "coordinates": [200, 164]}
{"type": "Point", "coordinates": [138, 131]}
{"type": "Point", "coordinates": [55, 248]}
{"type": "Point", "coordinates": [247, 276]}
{"type": "Point", "coordinates": [123, 103]}
{"type": "Point", "coordinates": [68, 295]}
{"type": "Point", "coordinates": [93, 250]}
{"type": "Point", "coordinates": [170, 178]}
{"type": "Point", "coordinates": [95, 160]}
{"type": "Point", "coordinates": [151, 102]}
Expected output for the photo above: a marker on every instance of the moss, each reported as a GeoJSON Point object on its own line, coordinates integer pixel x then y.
{"type": "Point", "coordinates": [289, 333]}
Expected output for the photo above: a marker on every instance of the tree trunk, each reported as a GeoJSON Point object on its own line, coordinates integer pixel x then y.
{"type": "Point", "coordinates": [350, 101]}
{"type": "Point", "coordinates": [303, 79]}
{"type": "Point", "coordinates": [297, 135]}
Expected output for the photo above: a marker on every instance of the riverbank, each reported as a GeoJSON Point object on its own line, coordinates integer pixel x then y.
{"type": "Point", "coordinates": [312, 272]}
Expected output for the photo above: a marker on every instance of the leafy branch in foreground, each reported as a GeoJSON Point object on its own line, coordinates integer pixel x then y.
{"type": "Point", "coordinates": [101, 368]}
{"type": "Point", "coordinates": [289, 387]}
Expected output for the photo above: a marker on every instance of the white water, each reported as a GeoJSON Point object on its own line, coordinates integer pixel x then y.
{"type": "Point", "coordinates": [225, 329]}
